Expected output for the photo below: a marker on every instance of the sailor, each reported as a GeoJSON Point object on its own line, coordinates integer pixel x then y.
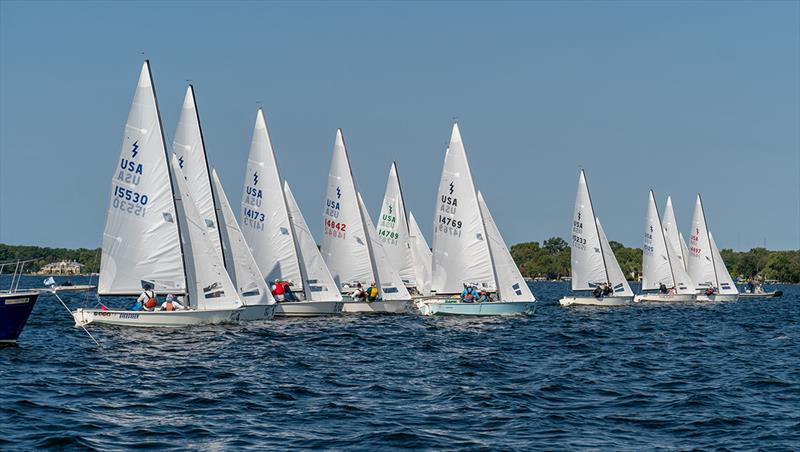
{"type": "Point", "coordinates": [287, 291]}
{"type": "Point", "coordinates": [372, 292]}
{"type": "Point", "coordinates": [147, 299]}
{"type": "Point", "coordinates": [607, 290]}
{"type": "Point", "coordinates": [672, 290]}
{"type": "Point", "coordinates": [751, 287]}
{"type": "Point", "coordinates": [468, 294]}
{"type": "Point", "coordinates": [279, 291]}
{"type": "Point", "coordinates": [359, 294]}
{"type": "Point", "coordinates": [710, 291]}
{"type": "Point", "coordinates": [171, 304]}
{"type": "Point", "coordinates": [484, 297]}
{"type": "Point", "coordinates": [597, 292]}
{"type": "Point", "coordinates": [662, 288]}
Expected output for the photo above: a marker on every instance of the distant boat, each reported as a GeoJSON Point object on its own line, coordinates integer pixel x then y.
{"type": "Point", "coordinates": [350, 245]}
{"type": "Point", "coordinates": [661, 263]}
{"type": "Point", "coordinates": [403, 247]}
{"type": "Point", "coordinates": [593, 260]}
{"type": "Point", "coordinates": [468, 249]}
{"type": "Point", "coordinates": [274, 229]}
{"type": "Point", "coordinates": [154, 233]}
{"type": "Point", "coordinates": [15, 306]}
{"type": "Point", "coordinates": [705, 264]}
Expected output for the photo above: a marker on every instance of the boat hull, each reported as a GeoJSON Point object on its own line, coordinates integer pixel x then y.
{"type": "Point", "coordinates": [307, 308]}
{"type": "Point", "coordinates": [773, 294]}
{"type": "Point", "coordinates": [718, 297]}
{"type": "Point", "coordinates": [666, 298]}
{"type": "Point", "coordinates": [155, 319]}
{"type": "Point", "coordinates": [495, 308]}
{"type": "Point", "coordinates": [592, 301]}
{"type": "Point", "coordinates": [15, 308]}
{"type": "Point", "coordinates": [258, 312]}
{"type": "Point", "coordinates": [386, 307]}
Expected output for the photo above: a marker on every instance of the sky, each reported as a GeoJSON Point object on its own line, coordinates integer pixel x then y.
{"type": "Point", "coordinates": [680, 97]}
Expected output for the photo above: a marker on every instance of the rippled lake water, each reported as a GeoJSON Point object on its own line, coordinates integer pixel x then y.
{"type": "Point", "coordinates": [645, 377]}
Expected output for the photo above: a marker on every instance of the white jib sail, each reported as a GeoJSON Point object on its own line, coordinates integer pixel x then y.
{"type": "Point", "coordinates": [208, 283]}
{"type": "Point", "coordinates": [511, 286]}
{"type": "Point", "coordinates": [319, 282]}
{"type": "Point", "coordinates": [684, 252]}
{"type": "Point", "coordinates": [656, 268]}
{"type": "Point", "coordinates": [344, 240]}
{"type": "Point", "coordinates": [672, 232]}
{"type": "Point", "coordinates": [588, 266]}
{"type": "Point", "coordinates": [141, 241]}
{"type": "Point", "coordinates": [726, 284]}
{"type": "Point", "coordinates": [242, 266]}
{"type": "Point", "coordinates": [264, 219]}
{"type": "Point", "coordinates": [700, 261]}
{"type": "Point", "coordinates": [616, 278]}
{"type": "Point", "coordinates": [388, 278]}
{"type": "Point", "coordinates": [189, 147]}
{"type": "Point", "coordinates": [393, 230]}
{"type": "Point", "coordinates": [460, 249]}
{"type": "Point", "coordinates": [421, 253]}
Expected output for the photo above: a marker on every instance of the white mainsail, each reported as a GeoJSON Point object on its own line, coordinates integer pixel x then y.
{"type": "Point", "coordinates": [588, 263]}
{"type": "Point", "coordinates": [423, 258]}
{"type": "Point", "coordinates": [208, 283]}
{"type": "Point", "coordinates": [264, 217]}
{"type": "Point", "coordinates": [726, 284]}
{"type": "Point", "coordinates": [393, 230]}
{"type": "Point", "coordinates": [242, 266]}
{"type": "Point", "coordinates": [460, 249]}
{"type": "Point", "coordinates": [511, 286]}
{"type": "Point", "coordinates": [189, 147]}
{"type": "Point", "coordinates": [700, 261]}
{"type": "Point", "coordinates": [141, 241]}
{"type": "Point", "coordinates": [387, 278]}
{"type": "Point", "coordinates": [616, 278]}
{"type": "Point", "coordinates": [319, 284]}
{"type": "Point", "coordinates": [661, 263]}
{"type": "Point", "coordinates": [344, 241]}
{"type": "Point", "coordinates": [671, 231]}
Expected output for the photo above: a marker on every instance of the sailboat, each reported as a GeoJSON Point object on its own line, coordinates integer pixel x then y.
{"type": "Point", "coordinates": [673, 235]}
{"type": "Point", "coordinates": [661, 263]}
{"type": "Point", "coordinates": [394, 232]}
{"type": "Point", "coordinates": [705, 264]}
{"type": "Point", "coordinates": [271, 232]}
{"type": "Point", "coordinates": [154, 233]}
{"type": "Point", "coordinates": [350, 245]}
{"type": "Point", "coordinates": [212, 204]}
{"type": "Point", "coordinates": [468, 249]}
{"type": "Point", "coordinates": [593, 260]}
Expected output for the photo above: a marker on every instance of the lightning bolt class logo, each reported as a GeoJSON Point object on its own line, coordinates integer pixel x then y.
{"type": "Point", "coordinates": [180, 161]}
{"type": "Point", "coordinates": [579, 215]}
{"type": "Point", "coordinates": [338, 192]}
{"type": "Point", "coordinates": [391, 209]}
{"type": "Point", "coordinates": [651, 228]}
{"type": "Point", "coordinates": [134, 151]}
{"type": "Point", "coordinates": [255, 178]}
{"type": "Point", "coordinates": [451, 188]}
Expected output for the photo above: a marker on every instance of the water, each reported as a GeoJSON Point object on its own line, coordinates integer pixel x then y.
{"type": "Point", "coordinates": [713, 376]}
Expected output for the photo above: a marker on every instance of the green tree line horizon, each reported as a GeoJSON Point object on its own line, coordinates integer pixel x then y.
{"type": "Point", "coordinates": [548, 260]}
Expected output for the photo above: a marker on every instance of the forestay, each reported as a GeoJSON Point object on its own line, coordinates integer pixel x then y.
{"type": "Point", "coordinates": [188, 145]}
{"type": "Point", "coordinates": [460, 250]}
{"type": "Point", "coordinates": [242, 267]}
{"type": "Point", "coordinates": [344, 242]}
{"type": "Point", "coordinates": [511, 286]}
{"type": "Point", "coordinates": [141, 240]}
{"type": "Point", "coordinates": [588, 263]}
{"type": "Point", "coordinates": [386, 276]}
{"type": "Point", "coordinates": [319, 283]}
{"type": "Point", "coordinates": [615, 276]}
{"type": "Point", "coordinates": [422, 256]}
{"type": "Point", "coordinates": [264, 217]}
{"type": "Point", "coordinates": [393, 230]}
{"type": "Point", "coordinates": [208, 284]}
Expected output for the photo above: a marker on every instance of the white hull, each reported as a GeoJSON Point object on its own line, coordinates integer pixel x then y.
{"type": "Point", "coordinates": [666, 298]}
{"type": "Point", "coordinates": [307, 308]}
{"type": "Point", "coordinates": [443, 306]}
{"type": "Point", "coordinates": [258, 312]}
{"type": "Point", "coordinates": [718, 297]}
{"type": "Point", "coordinates": [592, 301]}
{"type": "Point", "coordinates": [155, 319]}
{"type": "Point", "coordinates": [759, 295]}
{"type": "Point", "coordinates": [389, 307]}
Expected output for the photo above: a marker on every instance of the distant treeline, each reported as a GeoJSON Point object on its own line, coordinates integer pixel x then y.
{"type": "Point", "coordinates": [549, 260]}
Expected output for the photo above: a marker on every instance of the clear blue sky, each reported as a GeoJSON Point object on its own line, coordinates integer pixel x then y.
{"type": "Point", "coordinates": [683, 97]}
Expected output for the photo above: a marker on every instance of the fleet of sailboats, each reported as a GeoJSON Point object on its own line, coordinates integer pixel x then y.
{"type": "Point", "coordinates": [171, 227]}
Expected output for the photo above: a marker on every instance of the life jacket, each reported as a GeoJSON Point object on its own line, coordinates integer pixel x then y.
{"type": "Point", "coordinates": [151, 300]}
{"type": "Point", "coordinates": [280, 288]}
{"type": "Point", "coordinates": [470, 293]}
{"type": "Point", "coordinates": [169, 306]}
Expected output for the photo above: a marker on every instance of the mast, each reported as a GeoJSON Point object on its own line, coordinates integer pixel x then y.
{"type": "Point", "coordinates": [214, 199]}
{"type": "Point", "coordinates": [597, 230]}
{"type": "Point", "coordinates": [171, 182]}
{"type": "Point", "coordinates": [708, 236]}
{"type": "Point", "coordinates": [402, 198]}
